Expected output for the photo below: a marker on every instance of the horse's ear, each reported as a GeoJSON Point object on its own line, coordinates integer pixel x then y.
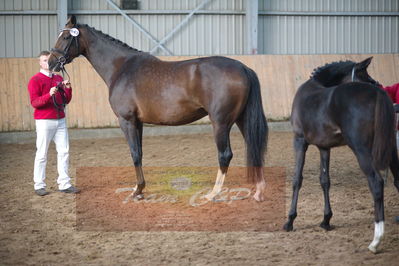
{"type": "Point", "coordinates": [364, 64]}
{"type": "Point", "coordinates": [71, 22]}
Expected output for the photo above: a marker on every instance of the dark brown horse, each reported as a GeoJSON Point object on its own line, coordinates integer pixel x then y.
{"type": "Point", "coordinates": [342, 105]}
{"type": "Point", "coordinates": [144, 89]}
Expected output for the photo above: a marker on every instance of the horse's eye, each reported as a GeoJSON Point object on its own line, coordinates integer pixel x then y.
{"type": "Point", "coordinates": [67, 37]}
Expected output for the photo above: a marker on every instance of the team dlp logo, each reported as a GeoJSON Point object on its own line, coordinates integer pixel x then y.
{"type": "Point", "coordinates": [226, 195]}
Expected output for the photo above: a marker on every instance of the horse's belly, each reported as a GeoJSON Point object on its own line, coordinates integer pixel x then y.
{"type": "Point", "coordinates": [172, 117]}
{"type": "Point", "coordinates": [326, 140]}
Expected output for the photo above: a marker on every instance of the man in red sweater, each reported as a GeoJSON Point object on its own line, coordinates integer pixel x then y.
{"type": "Point", "coordinates": [393, 92]}
{"type": "Point", "coordinates": [50, 125]}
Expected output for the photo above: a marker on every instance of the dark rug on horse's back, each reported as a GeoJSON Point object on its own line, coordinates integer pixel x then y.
{"type": "Point", "coordinates": [174, 200]}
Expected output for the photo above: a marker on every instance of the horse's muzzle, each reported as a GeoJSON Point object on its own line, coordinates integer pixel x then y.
{"type": "Point", "coordinates": [54, 66]}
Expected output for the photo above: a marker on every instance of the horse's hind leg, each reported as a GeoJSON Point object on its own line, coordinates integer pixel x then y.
{"type": "Point", "coordinates": [376, 185]}
{"type": "Point", "coordinates": [222, 139]}
{"type": "Point", "coordinates": [260, 184]}
{"type": "Point", "coordinates": [300, 146]}
{"type": "Point", "coordinates": [133, 130]}
{"type": "Point", "coordinates": [325, 184]}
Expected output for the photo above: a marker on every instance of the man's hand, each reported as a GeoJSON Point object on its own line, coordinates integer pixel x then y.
{"type": "Point", "coordinates": [53, 90]}
{"type": "Point", "coordinates": [66, 83]}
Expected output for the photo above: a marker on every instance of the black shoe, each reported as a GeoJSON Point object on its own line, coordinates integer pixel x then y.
{"type": "Point", "coordinates": [41, 192]}
{"type": "Point", "coordinates": [71, 189]}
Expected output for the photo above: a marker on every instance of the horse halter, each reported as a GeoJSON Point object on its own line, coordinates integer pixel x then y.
{"type": "Point", "coordinates": [64, 54]}
{"type": "Point", "coordinates": [62, 60]}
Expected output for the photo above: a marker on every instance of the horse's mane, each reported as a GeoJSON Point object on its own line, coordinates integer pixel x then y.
{"type": "Point", "coordinates": [331, 74]}
{"type": "Point", "coordinates": [106, 36]}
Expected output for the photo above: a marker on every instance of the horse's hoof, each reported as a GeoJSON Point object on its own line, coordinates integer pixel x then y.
{"type": "Point", "coordinates": [259, 197]}
{"type": "Point", "coordinates": [326, 227]}
{"type": "Point", "coordinates": [373, 249]}
{"type": "Point", "coordinates": [138, 197]}
{"type": "Point", "coordinates": [288, 227]}
{"type": "Point", "coordinates": [210, 197]}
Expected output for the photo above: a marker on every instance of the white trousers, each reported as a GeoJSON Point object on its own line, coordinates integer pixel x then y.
{"type": "Point", "coordinates": [46, 131]}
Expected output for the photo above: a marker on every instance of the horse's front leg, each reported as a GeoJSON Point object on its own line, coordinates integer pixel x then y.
{"type": "Point", "coordinates": [394, 166]}
{"type": "Point", "coordinates": [133, 130]}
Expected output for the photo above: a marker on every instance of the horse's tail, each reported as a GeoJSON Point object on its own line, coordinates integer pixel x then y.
{"type": "Point", "coordinates": [384, 140]}
{"type": "Point", "coordinates": [254, 128]}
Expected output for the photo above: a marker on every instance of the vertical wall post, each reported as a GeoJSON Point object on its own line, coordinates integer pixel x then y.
{"type": "Point", "coordinates": [252, 26]}
{"type": "Point", "coordinates": [62, 13]}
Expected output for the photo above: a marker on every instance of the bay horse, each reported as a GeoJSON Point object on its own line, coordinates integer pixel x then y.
{"type": "Point", "coordinates": [144, 89]}
{"type": "Point", "coordinates": [342, 105]}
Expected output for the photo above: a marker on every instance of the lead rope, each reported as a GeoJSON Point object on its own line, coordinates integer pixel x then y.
{"type": "Point", "coordinates": [60, 106]}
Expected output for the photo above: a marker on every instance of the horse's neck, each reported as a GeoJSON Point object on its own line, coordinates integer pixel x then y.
{"type": "Point", "coordinates": [105, 55]}
{"type": "Point", "coordinates": [312, 84]}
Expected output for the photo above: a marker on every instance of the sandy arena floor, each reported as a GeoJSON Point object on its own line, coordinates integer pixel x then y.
{"type": "Point", "coordinates": [42, 230]}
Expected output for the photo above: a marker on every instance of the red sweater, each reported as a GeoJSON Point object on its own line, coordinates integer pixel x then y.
{"type": "Point", "coordinates": [393, 92]}
{"type": "Point", "coordinates": [39, 91]}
